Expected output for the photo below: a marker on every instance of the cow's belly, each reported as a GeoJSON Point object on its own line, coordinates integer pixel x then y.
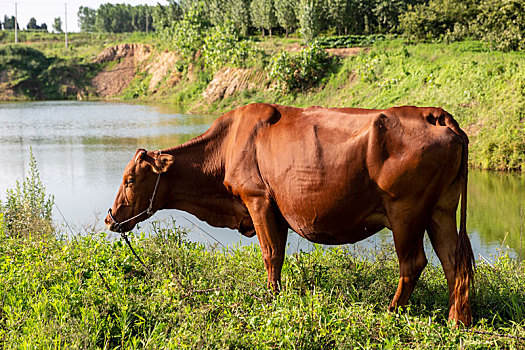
{"type": "Point", "coordinates": [345, 232]}
{"type": "Point", "coordinates": [331, 220]}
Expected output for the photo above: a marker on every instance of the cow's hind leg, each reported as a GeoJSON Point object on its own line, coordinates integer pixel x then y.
{"type": "Point", "coordinates": [272, 231]}
{"type": "Point", "coordinates": [443, 234]}
{"type": "Point", "coordinates": [408, 231]}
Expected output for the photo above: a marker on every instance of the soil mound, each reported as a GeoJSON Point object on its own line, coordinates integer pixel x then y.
{"type": "Point", "coordinates": [115, 78]}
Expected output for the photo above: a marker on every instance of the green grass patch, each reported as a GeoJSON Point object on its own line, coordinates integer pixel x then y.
{"type": "Point", "coordinates": [90, 292]}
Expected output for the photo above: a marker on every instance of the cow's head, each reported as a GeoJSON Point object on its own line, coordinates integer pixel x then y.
{"type": "Point", "coordinates": [140, 193]}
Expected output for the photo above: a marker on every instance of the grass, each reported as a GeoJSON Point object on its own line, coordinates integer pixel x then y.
{"type": "Point", "coordinates": [89, 291]}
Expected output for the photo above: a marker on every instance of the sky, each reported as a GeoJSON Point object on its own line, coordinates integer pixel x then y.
{"type": "Point", "coordinates": [47, 11]}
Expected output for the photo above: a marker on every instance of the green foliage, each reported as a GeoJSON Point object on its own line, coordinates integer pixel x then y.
{"type": "Point", "coordinates": [86, 19]}
{"type": "Point", "coordinates": [27, 209]}
{"type": "Point", "coordinates": [57, 25]}
{"type": "Point", "coordinates": [164, 16]}
{"type": "Point", "coordinates": [502, 24]}
{"type": "Point", "coordinates": [367, 70]}
{"type": "Point", "coordinates": [285, 13]}
{"type": "Point", "coordinates": [498, 22]}
{"type": "Point", "coordinates": [118, 18]}
{"type": "Point", "coordinates": [30, 73]}
{"type": "Point", "coordinates": [301, 71]}
{"type": "Point", "coordinates": [351, 40]}
{"type": "Point", "coordinates": [187, 35]}
{"type": "Point", "coordinates": [263, 14]}
{"type": "Point", "coordinates": [224, 46]}
{"type": "Point", "coordinates": [9, 23]}
{"type": "Point", "coordinates": [310, 16]}
{"type": "Point", "coordinates": [90, 292]}
{"type": "Point", "coordinates": [337, 10]}
{"type": "Point", "coordinates": [239, 14]}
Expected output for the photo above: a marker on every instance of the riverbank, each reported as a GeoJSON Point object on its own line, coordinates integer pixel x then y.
{"type": "Point", "coordinates": [90, 292]}
{"type": "Point", "coordinates": [484, 90]}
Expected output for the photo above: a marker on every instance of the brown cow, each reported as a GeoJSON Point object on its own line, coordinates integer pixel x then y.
{"type": "Point", "coordinates": [334, 176]}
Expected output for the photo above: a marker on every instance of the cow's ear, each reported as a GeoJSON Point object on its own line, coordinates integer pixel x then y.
{"type": "Point", "coordinates": [140, 155]}
{"type": "Point", "coordinates": [163, 162]}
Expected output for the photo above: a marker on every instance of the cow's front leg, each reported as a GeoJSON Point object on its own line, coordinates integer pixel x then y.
{"type": "Point", "coordinates": [272, 231]}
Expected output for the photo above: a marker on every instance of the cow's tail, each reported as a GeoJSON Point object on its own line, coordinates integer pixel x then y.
{"type": "Point", "coordinates": [464, 256]}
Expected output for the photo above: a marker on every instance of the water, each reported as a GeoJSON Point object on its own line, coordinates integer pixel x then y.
{"type": "Point", "coordinates": [82, 148]}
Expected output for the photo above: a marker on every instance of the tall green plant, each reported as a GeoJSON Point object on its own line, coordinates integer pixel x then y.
{"type": "Point", "coordinates": [28, 208]}
{"type": "Point", "coordinates": [310, 15]}
{"type": "Point", "coordinates": [285, 12]}
{"type": "Point", "coordinates": [502, 24]}
{"type": "Point", "coordinates": [301, 71]}
{"type": "Point", "coordinates": [223, 46]}
{"type": "Point", "coordinates": [263, 15]}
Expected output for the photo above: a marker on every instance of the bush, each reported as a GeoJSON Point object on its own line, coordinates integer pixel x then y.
{"type": "Point", "coordinates": [186, 35]}
{"type": "Point", "coordinates": [27, 210]}
{"type": "Point", "coordinates": [439, 19]}
{"type": "Point", "coordinates": [350, 40]}
{"type": "Point", "coordinates": [301, 71]}
{"type": "Point", "coordinates": [223, 45]}
{"type": "Point", "coordinates": [501, 23]}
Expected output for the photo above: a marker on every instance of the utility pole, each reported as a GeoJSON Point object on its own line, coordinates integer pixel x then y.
{"type": "Point", "coordinates": [16, 23]}
{"type": "Point", "coordinates": [147, 19]}
{"type": "Point", "coordinates": [65, 20]}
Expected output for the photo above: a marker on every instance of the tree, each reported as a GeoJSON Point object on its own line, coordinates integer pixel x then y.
{"type": "Point", "coordinates": [502, 24]}
{"type": "Point", "coordinates": [440, 18]}
{"type": "Point", "coordinates": [285, 13]}
{"type": "Point", "coordinates": [187, 34]}
{"type": "Point", "coordinates": [239, 14]}
{"type": "Point", "coordinates": [114, 18]}
{"type": "Point", "coordinates": [263, 15]}
{"type": "Point", "coordinates": [164, 16]}
{"type": "Point", "coordinates": [217, 11]}
{"type": "Point", "coordinates": [32, 24]}
{"type": "Point", "coordinates": [310, 14]}
{"type": "Point", "coordinates": [57, 25]}
{"type": "Point", "coordinates": [141, 18]}
{"type": "Point", "coordinates": [86, 19]}
{"type": "Point", "coordinates": [9, 23]}
{"type": "Point", "coordinates": [337, 12]}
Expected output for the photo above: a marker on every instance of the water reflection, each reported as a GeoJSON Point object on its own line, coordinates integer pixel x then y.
{"type": "Point", "coordinates": [82, 148]}
{"type": "Point", "coordinates": [496, 209]}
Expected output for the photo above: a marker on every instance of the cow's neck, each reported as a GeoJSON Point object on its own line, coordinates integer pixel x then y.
{"type": "Point", "coordinates": [197, 183]}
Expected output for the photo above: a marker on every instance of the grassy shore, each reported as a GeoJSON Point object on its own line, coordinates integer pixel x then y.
{"type": "Point", "coordinates": [90, 292]}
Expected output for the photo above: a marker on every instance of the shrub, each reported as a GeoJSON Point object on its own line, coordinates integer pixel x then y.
{"type": "Point", "coordinates": [223, 45]}
{"type": "Point", "coordinates": [27, 209]}
{"type": "Point", "coordinates": [301, 71]}
{"type": "Point", "coordinates": [502, 24]}
{"type": "Point", "coordinates": [186, 35]}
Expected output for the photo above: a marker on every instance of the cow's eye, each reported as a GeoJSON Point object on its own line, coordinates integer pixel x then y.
{"type": "Point", "coordinates": [130, 181]}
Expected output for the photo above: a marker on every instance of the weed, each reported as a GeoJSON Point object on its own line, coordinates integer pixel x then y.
{"type": "Point", "coordinates": [27, 209]}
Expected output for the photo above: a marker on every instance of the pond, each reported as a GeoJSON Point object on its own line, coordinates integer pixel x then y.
{"type": "Point", "coordinates": [82, 148]}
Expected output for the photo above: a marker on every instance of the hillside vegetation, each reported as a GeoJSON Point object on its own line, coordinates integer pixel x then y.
{"type": "Point", "coordinates": [483, 89]}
